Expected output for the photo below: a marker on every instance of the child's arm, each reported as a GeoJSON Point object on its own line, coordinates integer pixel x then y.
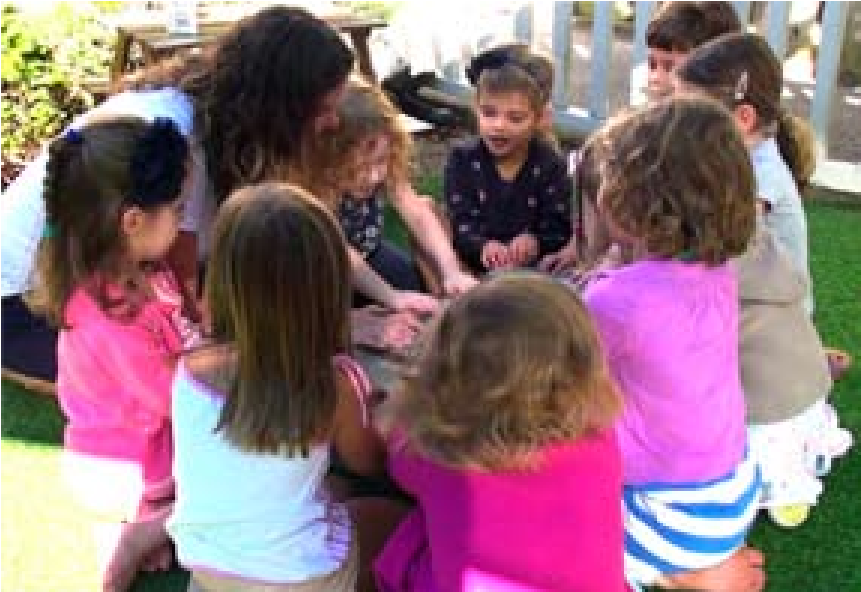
{"type": "Point", "coordinates": [424, 225]}
{"type": "Point", "coordinates": [354, 436]}
{"type": "Point", "coordinates": [465, 210]}
{"type": "Point", "coordinates": [368, 282]}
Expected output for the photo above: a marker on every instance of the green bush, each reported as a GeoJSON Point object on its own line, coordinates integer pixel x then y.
{"type": "Point", "coordinates": [47, 57]}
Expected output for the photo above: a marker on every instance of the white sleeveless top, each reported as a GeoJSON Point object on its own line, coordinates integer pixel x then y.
{"type": "Point", "coordinates": [260, 517]}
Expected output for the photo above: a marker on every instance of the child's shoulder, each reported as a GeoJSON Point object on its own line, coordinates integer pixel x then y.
{"type": "Point", "coordinates": [549, 159]}
{"type": "Point", "coordinates": [213, 365]}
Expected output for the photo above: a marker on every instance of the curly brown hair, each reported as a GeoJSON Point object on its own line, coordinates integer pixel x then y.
{"type": "Point", "coordinates": [510, 367]}
{"type": "Point", "coordinates": [364, 113]}
{"type": "Point", "coordinates": [260, 90]}
{"type": "Point", "coordinates": [679, 181]}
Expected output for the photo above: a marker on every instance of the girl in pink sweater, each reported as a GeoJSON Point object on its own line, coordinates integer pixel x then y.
{"type": "Point", "coordinates": [502, 439]}
{"type": "Point", "coordinates": [114, 197]}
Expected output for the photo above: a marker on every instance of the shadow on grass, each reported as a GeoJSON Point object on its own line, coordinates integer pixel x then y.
{"type": "Point", "coordinates": [30, 417]}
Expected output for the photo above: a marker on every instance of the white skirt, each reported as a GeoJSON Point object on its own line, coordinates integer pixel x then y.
{"type": "Point", "coordinates": [105, 489]}
{"type": "Point", "coordinates": [793, 454]}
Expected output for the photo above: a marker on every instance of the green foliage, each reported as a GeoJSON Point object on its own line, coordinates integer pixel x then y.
{"type": "Point", "coordinates": [47, 55]}
{"type": "Point", "coordinates": [371, 9]}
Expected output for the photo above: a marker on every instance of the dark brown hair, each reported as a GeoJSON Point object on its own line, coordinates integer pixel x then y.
{"type": "Point", "coordinates": [508, 368]}
{"type": "Point", "coordinates": [678, 177]}
{"type": "Point", "coordinates": [256, 92]}
{"type": "Point", "coordinates": [514, 68]}
{"type": "Point", "coordinates": [682, 26]}
{"type": "Point", "coordinates": [278, 290]}
{"type": "Point", "coordinates": [741, 69]}
{"type": "Point", "coordinates": [94, 174]}
{"type": "Point", "coordinates": [364, 113]}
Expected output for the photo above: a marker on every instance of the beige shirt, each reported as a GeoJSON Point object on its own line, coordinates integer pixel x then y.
{"type": "Point", "coordinates": [784, 368]}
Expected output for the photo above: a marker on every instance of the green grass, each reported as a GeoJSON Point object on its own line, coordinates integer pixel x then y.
{"type": "Point", "coordinates": [45, 547]}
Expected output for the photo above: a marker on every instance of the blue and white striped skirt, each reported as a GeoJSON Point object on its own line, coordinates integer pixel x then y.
{"type": "Point", "coordinates": [675, 528]}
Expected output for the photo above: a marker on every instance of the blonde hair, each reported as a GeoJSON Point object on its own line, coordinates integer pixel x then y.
{"type": "Point", "coordinates": [510, 367]}
{"type": "Point", "coordinates": [364, 113]}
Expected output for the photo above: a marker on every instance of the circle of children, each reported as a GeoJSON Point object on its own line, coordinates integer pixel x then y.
{"type": "Point", "coordinates": [609, 407]}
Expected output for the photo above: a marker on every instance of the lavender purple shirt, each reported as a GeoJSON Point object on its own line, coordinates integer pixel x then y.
{"type": "Point", "coordinates": [555, 528]}
{"type": "Point", "coordinates": [670, 333]}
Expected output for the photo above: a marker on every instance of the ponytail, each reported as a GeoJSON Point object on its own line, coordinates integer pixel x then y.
{"type": "Point", "coordinates": [797, 146]}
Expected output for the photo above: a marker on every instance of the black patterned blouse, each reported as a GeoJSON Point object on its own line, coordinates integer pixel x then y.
{"type": "Point", "coordinates": [482, 206]}
{"type": "Point", "coordinates": [362, 221]}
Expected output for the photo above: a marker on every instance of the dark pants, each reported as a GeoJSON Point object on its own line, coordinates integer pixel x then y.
{"type": "Point", "coordinates": [29, 342]}
{"type": "Point", "coordinates": [396, 267]}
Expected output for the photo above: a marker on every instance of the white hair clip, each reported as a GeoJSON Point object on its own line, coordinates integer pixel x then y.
{"type": "Point", "coordinates": [741, 87]}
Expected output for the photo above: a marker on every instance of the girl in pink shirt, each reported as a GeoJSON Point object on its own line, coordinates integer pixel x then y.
{"type": "Point", "coordinates": [677, 191]}
{"type": "Point", "coordinates": [114, 198]}
{"type": "Point", "coordinates": [502, 439]}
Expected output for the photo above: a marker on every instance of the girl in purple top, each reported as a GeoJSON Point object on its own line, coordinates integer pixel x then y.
{"type": "Point", "coordinates": [501, 437]}
{"type": "Point", "coordinates": [677, 190]}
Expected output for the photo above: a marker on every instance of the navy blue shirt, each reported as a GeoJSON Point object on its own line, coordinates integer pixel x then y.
{"type": "Point", "coordinates": [362, 221]}
{"type": "Point", "coordinates": [482, 206]}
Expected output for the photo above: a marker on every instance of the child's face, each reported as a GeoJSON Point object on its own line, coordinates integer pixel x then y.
{"type": "Point", "coordinates": [150, 234]}
{"type": "Point", "coordinates": [372, 166]}
{"type": "Point", "coordinates": [662, 63]}
{"type": "Point", "coordinates": [506, 122]}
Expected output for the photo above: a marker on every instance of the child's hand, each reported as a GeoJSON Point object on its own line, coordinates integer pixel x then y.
{"type": "Point", "coordinates": [494, 255]}
{"type": "Point", "coordinates": [417, 302]}
{"type": "Point", "coordinates": [523, 249]}
{"type": "Point", "coordinates": [457, 282]}
{"type": "Point", "coordinates": [561, 260]}
{"type": "Point", "coordinates": [377, 328]}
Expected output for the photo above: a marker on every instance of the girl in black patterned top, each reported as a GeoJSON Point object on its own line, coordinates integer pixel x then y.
{"type": "Point", "coordinates": [508, 192]}
{"type": "Point", "coordinates": [364, 162]}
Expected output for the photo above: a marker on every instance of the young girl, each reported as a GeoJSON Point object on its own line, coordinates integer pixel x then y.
{"type": "Point", "coordinates": [259, 406]}
{"type": "Point", "coordinates": [792, 430]}
{"type": "Point", "coordinates": [375, 147]}
{"type": "Point", "coordinates": [741, 71]}
{"type": "Point", "coordinates": [678, 190]}
{"type": "Point", "coordinates": [502, 438]}
{"type": "Point", "coordinates": [508, 192]}
{"type": "Point", "coordinates": [114, 198]}
{"type": "Point", "coordinates": [791, 424]}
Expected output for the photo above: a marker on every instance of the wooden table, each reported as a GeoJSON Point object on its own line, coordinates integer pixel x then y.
{"type": "Point", "coordinates": [156, 43]}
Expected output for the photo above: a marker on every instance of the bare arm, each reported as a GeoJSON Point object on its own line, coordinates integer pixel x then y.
{"type": "Point", "coordinates": [368, 282]}
{"type": "Point", "coordinates": [424, 225]}
{"type": "Point", "coordinates": [354, 436]}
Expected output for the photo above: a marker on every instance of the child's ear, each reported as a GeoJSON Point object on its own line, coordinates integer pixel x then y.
{"type": "Point", "coordinates": [745, 115]}
{"type": "Point", "coordinates": [132, 221]}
